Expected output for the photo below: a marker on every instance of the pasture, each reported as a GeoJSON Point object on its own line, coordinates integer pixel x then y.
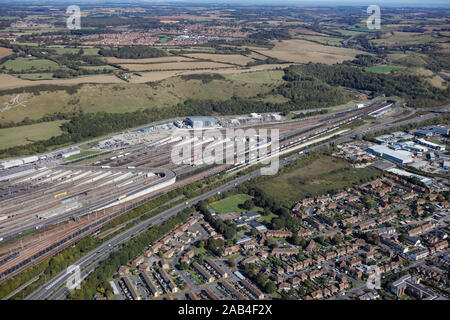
{"type": "Point", "coordinates": [122, 96]}
{"type": "Point", "coordinates": [10, 137]}
{"type": "Point", "coordinates": [29, 64]}
{"type": "Point", "coordinates": [330, 41]}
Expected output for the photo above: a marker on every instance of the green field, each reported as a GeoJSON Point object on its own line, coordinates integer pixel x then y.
{"type": "Point", "coordinates": [331, 41]}
{"type": "Point", "coordinates": [322, 175]}
{"type": "Point", "coordinates": [29, 64]}
{"type": "Point", "coordinates": [382, 69]}
{"type": "Point", "coordinates": [259, 77]}
{"type": "Point", "coordinates": [164, 40]}
{"type": "Point", "coordinates": [347, 32]}
{"type": "Point", "coordinates": [231, 204]}
{"type": "Point", "coordinates": [25, 134]}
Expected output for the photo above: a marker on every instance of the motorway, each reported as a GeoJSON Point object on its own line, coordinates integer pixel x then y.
{"type": "Point", "coordinates": [57, 289]}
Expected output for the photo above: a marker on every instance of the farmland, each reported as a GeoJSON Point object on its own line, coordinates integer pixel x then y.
{"type": "Point", "coordinates": [174, 66]}
{"type": "Point", "coordinates": [4, 52]}
{"type": "Point", "coordinates": [148, 60]}
{"type": "Point", "coordinates": [224, 58]}
{"type": "Point", "coordinates": [302, 51]}
{"type": "Point", "coordinates": [331, 41]}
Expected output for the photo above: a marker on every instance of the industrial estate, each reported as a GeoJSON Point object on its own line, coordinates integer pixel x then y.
{"type": "Point", "coordinates": [153, 184]}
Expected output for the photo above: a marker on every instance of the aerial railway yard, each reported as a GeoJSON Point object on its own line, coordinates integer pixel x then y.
{"type": "Point", "coordinates": [63, 203]}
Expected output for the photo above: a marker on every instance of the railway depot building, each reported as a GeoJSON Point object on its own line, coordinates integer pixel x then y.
{"type": "Point", "coordinates": [399, 156]}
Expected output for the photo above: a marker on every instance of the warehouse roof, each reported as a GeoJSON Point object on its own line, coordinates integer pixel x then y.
{"type": "Point", "coordinates": [405, 156]}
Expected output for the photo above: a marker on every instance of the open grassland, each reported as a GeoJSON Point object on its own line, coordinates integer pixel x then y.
{"type": "Point", "coordinates": [408, 60]}
{"type": "Point", "coordinates": [174, 66]}
{"type": "Point", "coordinates": [438, 82]}
{"type": "Point", "coordinates": [428, 75]}
{"type": "Point", "coordinates": [154, 76]}
{"type": "Point", "coordinates": [123, 97]}
{"type": "Point", "coordinates": [302, 51]}
{"type": "Point", "coordinates": [4, 52]}
{"type": "Point", "coordinates": [25, 134]}
{"type": "Point", "coordinates": [321, 176]}
{"type": "Point", "coordinates": [223, 58]}
{"type": "Point", "coordinates": [265, 76]}
{"type": "Point", "coordinates": [28, 64]}
{"type": "Point", "coordinates": [231, 204]}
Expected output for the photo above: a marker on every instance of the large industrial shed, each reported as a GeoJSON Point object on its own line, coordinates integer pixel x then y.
{"type": "Point", "coordinates": [397, 156]}
{"type": "Point", "coordinates": [201, 122]}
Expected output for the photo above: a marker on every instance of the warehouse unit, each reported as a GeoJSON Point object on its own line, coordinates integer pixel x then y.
{"type": "Point", "coordinates": [400, 156]}
{"type": "Point", "coordinates": [441, 130]}
{"type": "Point", "coordinates": [431, 145]}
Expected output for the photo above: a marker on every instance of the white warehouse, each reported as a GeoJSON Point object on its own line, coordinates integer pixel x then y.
{"type": "Point", "coordinates": [399, 156]}
{"type": "Point", "coordinates": [431, 145]}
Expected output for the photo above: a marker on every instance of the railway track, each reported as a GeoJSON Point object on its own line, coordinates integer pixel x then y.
{"type": "Point", "coordinates": [58, 238]}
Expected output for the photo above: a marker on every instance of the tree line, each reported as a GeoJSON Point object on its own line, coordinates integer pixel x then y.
{"type": "Point", "coordinates": [132, 52]}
